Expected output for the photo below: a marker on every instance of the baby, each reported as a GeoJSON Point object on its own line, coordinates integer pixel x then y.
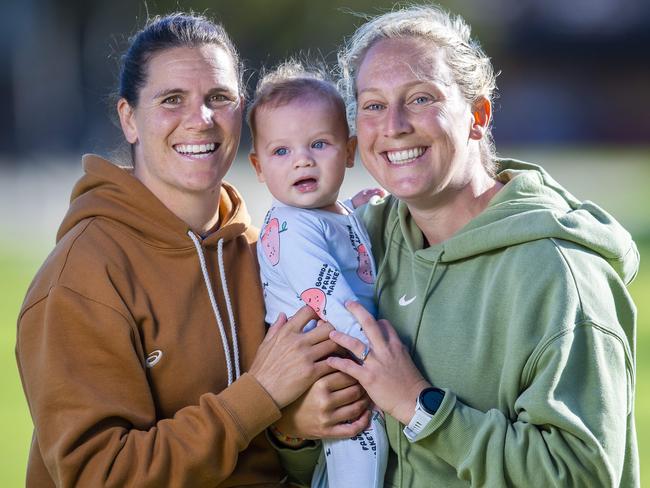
{"type": "Point", "coordinates": [312, 249]}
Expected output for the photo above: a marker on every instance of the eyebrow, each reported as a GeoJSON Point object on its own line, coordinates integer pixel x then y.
{"type": "Point", "coordinates": [419, 81]}
{"type": "Point", "coordinates": [180, 91]}
{"type": "Point", "coordinates": [168, 91]}
{"type": "Point", "coordinates": [283, 141]}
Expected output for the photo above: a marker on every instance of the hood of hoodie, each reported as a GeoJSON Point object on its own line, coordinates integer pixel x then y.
{"type": "Point", "coordinates": [112, 192]}
{"type": "Point", "coordinates": [530, 206]}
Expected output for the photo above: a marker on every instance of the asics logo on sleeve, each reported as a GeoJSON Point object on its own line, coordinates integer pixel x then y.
{"type": "Point", "coordinates": [403, 301]}
{"type": "Point", "coordinates": [153, 358]}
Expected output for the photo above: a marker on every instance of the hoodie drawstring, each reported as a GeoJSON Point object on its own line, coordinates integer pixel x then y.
{"type": "Point", "coordinates": [215, 308]}
{"type": "Point", "coordinates": [231, 315]}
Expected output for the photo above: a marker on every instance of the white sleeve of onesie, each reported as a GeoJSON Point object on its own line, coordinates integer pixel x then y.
{"type": "Point", "coordinates": [297, 267]}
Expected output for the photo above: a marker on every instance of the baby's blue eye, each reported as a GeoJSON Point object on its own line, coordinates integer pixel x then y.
{"type": "Point", "coordinates": [318, 145]}
{"type": "Point", "coordinates": [281, 151]}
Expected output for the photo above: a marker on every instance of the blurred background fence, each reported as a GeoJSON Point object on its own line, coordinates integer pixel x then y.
{"type": "Point", "coordinates": [573, 71]}
{"type": "Point", "coordinates": [574, 95]}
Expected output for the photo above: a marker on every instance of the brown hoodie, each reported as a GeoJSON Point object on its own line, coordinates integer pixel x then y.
{"type": "Point", "coordinates": [121, 355]}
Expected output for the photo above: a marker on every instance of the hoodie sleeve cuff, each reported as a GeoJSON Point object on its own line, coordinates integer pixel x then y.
{"type": "Point", "coordinates": [444, 411]}
{"type": "Point", "coordinates": [455, 431]}
{"type": "Point", "coordinates": [249, 406]}
{"type": "Point", "coordinates": [300, 462]}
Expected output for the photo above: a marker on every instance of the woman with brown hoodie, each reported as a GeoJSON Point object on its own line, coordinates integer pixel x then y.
{"type": "Point", "coordinates": [141, 341]}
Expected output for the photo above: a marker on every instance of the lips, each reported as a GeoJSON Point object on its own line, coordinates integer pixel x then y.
{"type": "Point", "coordinates": [405, 156]}
{"type": "Point", "coordinates": [305, 185]}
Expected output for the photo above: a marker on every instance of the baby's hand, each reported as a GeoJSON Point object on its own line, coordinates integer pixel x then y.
{"type": "Point", "coordinates": [364, 196]}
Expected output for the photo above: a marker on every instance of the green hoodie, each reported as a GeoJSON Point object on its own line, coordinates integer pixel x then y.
{"type": "Point", "coordinates": [523, 318]}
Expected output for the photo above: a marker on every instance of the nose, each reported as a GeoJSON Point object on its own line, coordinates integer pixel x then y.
{"type": "Point", "coordinates": [199, 117]}
{"type": "Point", "coordinates": [304, 159]}
{"type": "Point", "coordinates": [397, 121]}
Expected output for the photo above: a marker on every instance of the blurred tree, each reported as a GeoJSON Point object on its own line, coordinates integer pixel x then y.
{"type": "Point", "coordinates": [60, 62]}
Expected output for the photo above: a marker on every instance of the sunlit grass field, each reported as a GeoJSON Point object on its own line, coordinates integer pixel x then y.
{"type": "Point", "coordinates": [615, 180]}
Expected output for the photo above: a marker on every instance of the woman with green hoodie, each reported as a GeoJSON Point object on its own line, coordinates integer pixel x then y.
{"type": "Point", "coordinates": [509, 359]}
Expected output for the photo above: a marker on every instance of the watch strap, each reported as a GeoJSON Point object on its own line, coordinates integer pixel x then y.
{"type": "Point", "coordinates": [417, 424]}
{"type": "Point", "coordinates": [423, 414]}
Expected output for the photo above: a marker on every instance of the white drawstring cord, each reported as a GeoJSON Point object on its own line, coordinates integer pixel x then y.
{"type": "Point", "coordinates": [215, 308]}
{"type": "Point", "coordinates": [231, 316]}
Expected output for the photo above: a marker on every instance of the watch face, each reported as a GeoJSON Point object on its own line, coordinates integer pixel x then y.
{"type": "Point", "coordinates": [430, 399]}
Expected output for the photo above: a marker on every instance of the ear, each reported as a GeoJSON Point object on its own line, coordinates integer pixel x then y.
{"type": "Point", "coordinates": [482, 112]}
{"type": "Point", "coordinates": [127, 120]}
{"type": "Point", "coordinates": [255, 162]}
{"type": "Point", "coordinates": [350, 151]}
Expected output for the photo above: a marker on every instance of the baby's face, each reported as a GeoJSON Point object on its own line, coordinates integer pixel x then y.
{"type": "Point", "coordinates": [301, 152]}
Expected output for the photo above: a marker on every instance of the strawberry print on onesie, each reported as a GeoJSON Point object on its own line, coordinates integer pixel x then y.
{"type": "Point", "coordinates": [364, 271]}
{"type": "Point", "coordinates": [324, 286]}
{"type": "Point", "coordinates": [271, 240]}
{"type": "Point", "coordinates": [316, 299]}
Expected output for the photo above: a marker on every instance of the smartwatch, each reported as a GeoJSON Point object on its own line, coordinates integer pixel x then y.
{"type": "Point", "coordinates": [427, 405]}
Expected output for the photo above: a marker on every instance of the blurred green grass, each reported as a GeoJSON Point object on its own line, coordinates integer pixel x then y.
{"type": "Point", "coordinates": [16, 427]}
{"type": "Point", "coordinates": [18, 264]}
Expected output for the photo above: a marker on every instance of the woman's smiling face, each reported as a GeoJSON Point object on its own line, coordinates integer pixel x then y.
{"type": "Point", "coordinates": [413, 123]}
{"type": "Point", "coordinates": [187, 122]}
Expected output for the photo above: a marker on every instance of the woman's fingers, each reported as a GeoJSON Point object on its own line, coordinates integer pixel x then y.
{"type": "Point", "coordinates": [319, 333]}
{"type": "Point", "coordinates": [349, 412]}
{"type": "Point", "coordinates": [388, 373]}
{"type": "Point", "coordinates": [314, 414]}
{"type": "Point", "coordinates": [338, 381]}
{"type": "Point", "coordinates": [280, 321]}
{"type": "Point", "coordinates": [276, 326]}
{"type": "Point", "coordinates": [368, 323]}
{"type": "Point", "coordinates": [321, 368]}
{"type": "Point", "coordinates": [348, 367]}
{"type": "Point", "coordinates": [355, 346]}
{"type": "Point", "coordinates": [387, 331]}
{"type": "Point", "coordinates": [348, 429]}
{"type": "Point", "coordinates": [346, 396]}
{"type": "Point", "coordinates": [301, 318]}
{"type": "Point", "coordinates": [323, 349]}
{"type": "Point", "coordinates": [288, 361]}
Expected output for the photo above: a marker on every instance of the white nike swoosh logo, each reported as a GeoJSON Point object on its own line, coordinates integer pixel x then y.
{"type": "Point", "coordinates": [404, 302]}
